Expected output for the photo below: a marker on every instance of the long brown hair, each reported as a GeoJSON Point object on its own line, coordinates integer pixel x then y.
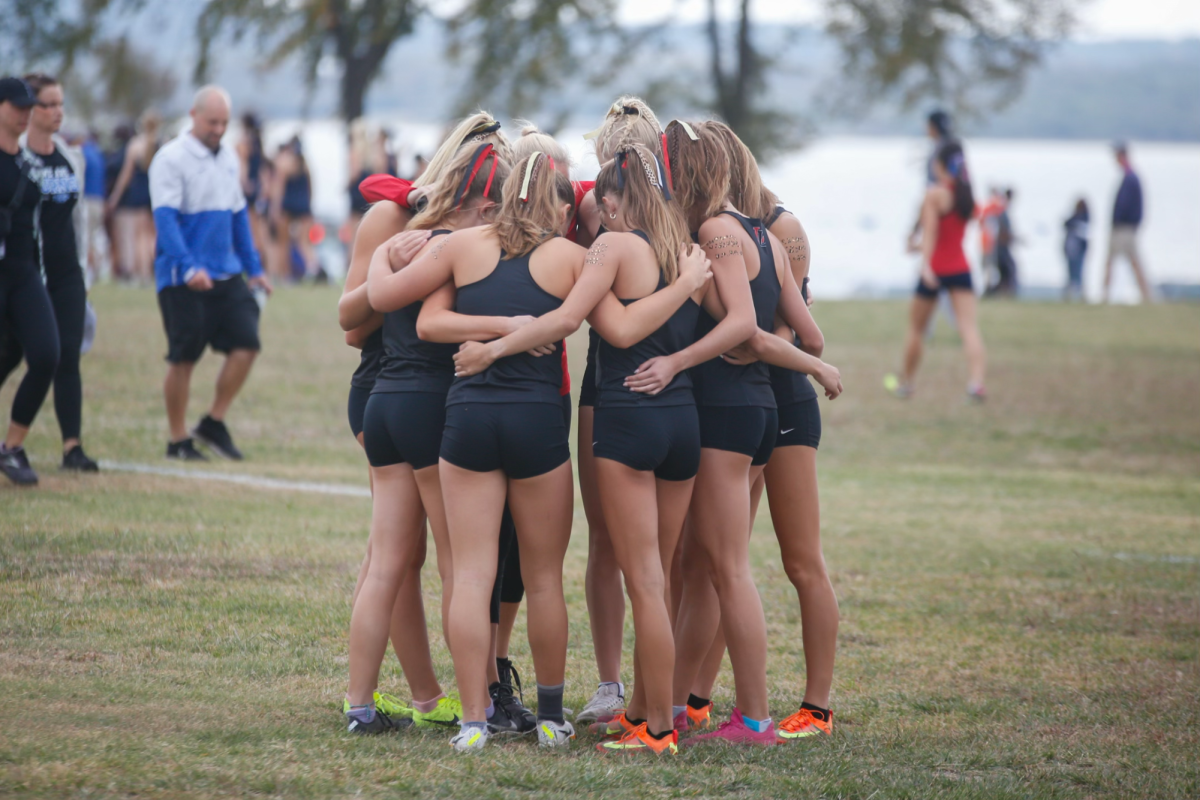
{"type": "Point", "coordinates": [746, 190]}
{"type": "Point", "coordinates": [700, 168]}
{"type": "Point", "coordinates": [529, 215]}
{"type": "Point", "coordinates": [638, 178]}
{"type": "Point", "coordinates": [476, 171]}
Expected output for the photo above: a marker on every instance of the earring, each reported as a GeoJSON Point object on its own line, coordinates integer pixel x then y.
{"type": "Point", "coordinates": [612, 216]}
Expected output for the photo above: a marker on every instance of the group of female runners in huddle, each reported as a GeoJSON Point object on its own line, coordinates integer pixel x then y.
{"type": "Point", "coordinates": [696, 395]}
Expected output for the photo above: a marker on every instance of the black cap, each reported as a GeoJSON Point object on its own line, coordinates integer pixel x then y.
{"type": "Point", "coordinates": [941, 122]}
{"type": "Point", "coordinates": [17, 92]}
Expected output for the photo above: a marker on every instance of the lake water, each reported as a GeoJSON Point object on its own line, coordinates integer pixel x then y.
{"type": "Point", "coordinates": [858, 198]}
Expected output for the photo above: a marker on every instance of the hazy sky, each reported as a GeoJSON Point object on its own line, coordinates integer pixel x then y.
{"type": "Point", "coordinates": [1100, 19]}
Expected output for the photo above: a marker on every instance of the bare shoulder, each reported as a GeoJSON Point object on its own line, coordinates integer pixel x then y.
{"type": "Point", "coordinates": [939, 197]}
{"type": "Point", "coordinates": [565, 248]}
{"type": "Point", "coordinates": [720, 225]}
{"type": "Point", "coordinates": [384, 217]}
{"type": "Point", "coordinates": [787, 226]}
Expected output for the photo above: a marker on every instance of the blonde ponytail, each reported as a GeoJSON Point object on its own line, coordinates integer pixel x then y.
{"type": "Point", "coordinates": [479, 128]}
{"type": "Point", "coordinates": [533, 195]}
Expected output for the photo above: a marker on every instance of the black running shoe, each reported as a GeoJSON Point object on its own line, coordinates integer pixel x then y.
{"type": "Point", "coordinates": [75, 459]}
{"type": "Point", "coordinates": [214, 434]}
{"type": "Point", "coordinates": [520, 719]}
{"type": "Point", "coordinates": [185, 450]}
{"type": "Point", "coordinates": [380, 723]}
{"type": "Point", "coordinates": [15, 465]}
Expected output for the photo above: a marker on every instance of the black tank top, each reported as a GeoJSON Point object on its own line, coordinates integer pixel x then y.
{"type": "Point", "coordinates": [613, 364]}
{"type": "Point", "coordinates": [409, 364]}
{"type": "Point", "coordinates": [509, 291]}
{"type": "Point", "coordinates": [789, 386]}
{"type": "Point", "coordinates": [370, 362]}
{"type": "Point", "coordinates": [719, 383]}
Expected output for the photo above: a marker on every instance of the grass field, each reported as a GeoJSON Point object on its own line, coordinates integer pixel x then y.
{"type": "Point", "coordinates": [1019, 583]}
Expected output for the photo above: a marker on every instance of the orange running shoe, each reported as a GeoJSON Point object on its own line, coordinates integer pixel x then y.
{"type": "Point", "coordinates": [804, 723]}
{"type": "Point", "coordinates": [617, 726]}
{"type": "Point", "coordinates": [639, 740]}
{"type": "Point", "coordinates": [694, 718]}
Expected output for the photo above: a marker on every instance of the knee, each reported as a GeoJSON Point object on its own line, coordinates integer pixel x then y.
{"type": "Point", "coordinates": [806, 572]}
{"type": "Point", "coordinates": [43, 357]}
{"type": "Point", "coordinates": [726, 575]}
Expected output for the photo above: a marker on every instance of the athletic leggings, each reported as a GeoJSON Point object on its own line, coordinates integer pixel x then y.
{"type": "Point", "coordinates": [28, 327]}
{"type": "Point", "coordinates": [68, 297]}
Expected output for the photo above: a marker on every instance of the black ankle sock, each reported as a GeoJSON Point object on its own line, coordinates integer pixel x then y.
{"type": "Point", "coordinates": [818, 712]}
{"type": "Point", "coordinates": [632, 721]}
{"type": "Point", "coordinates": [697, 702]}
{"type": "Point", "coordinates": [659, 736]}
{"type": "Point", "coordinates": [550, 702]}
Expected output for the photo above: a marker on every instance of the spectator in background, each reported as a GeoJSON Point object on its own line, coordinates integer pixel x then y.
{"type": "Point", "coordinates": [58, 170]}
{"type": "Point", "coordinates": [252, 163]}
{"type": "Point", "coordinates": [204, 248]}
{"type": "Point", "coordinates": [291, 210]}
{"type": "Point", "coordinates": [26, 316]}
{"type": "Point", "coordinates": [368, 156]}
{"type": "Point", "coordinates": [1006, 265]}
{"type": "Point", "coordinates": [988, 226]}
{"type": "Point", "coordinates": [98, 262]}
{"type": "Point", "coordinates": [1075, 248]}
{"type": "Point", "coordinates": [129, 202]}
{"type": "Point", "coordinates": [1126, 219]}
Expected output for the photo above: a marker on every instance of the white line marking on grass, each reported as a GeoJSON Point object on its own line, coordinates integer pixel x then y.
{"type": "Point", "coordinates": [254, 481]}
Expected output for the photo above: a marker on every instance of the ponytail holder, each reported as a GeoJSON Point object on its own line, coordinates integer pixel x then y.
{"type": "Point", "coordinates": [524, 196]}
{"type": "Point", "coordinates": [691, 133]}
{"type": "Point", "coordinates": [667, 163]}
{"type": "Point", "coordinates": [481, 153]}
{"type": "Point", "coordinates": [622, 160]}
{"type": "Point", "coordinates": [481, 131]}
{"type": "Point", "coordinates": [956, 165]}
{"type": "Point", "coordinates": [629, 110]}
{"type": "Point", "coordinates": [662, 184]}
{"type": "Point", "coordinates": [587, 137]}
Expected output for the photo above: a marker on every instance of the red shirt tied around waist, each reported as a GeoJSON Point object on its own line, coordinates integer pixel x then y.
{"type": "Point", "coordinates": [386, 187]}
{"type": "Point", "coordinates": [948, 257]}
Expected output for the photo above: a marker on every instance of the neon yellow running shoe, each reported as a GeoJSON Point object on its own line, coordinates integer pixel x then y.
{"type": "Point", "coordinates": [386, 703]}
{"type": "Point", "coordinates": [446, 715]}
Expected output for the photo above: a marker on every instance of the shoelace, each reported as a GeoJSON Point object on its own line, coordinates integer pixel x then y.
{"type": "Point", "coordinates": [513, 680]}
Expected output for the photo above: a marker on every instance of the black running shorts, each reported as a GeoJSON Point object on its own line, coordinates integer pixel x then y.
{"type": "Point", "coordinates": [946, 283]}
{"type": "Point", "coordinates": [522, 439]}
{"type": "Point", "coordinates": [665, 440]}
{"type": "Point", "coordinates": [749, 430]}
{"type": "Point", "coordinates": [356, 408]}
{"type": "Point", "coordinates": [800, 424]}
{"type": "Point", "coordinates": [404, 427]}
{"type": "Point", "coordinates": [225, 318]}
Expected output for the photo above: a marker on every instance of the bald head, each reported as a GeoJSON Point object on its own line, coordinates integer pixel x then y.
{"type": "Point", "coordinates": [211, 108]}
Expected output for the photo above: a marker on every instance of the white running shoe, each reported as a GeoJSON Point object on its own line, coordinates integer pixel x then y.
{"type": "Point", "coordinates": [469, 740]}
{"type": "Point", "coordinates": [609, 700]}
{"type": "Point", "coordinates": [554, 734]}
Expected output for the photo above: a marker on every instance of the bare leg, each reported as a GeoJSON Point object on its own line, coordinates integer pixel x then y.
{"type": "Point", "coordinates": [410, 635]}
{"type": "Point", "coordinates": [605, 595]}
{"type": "Point", "coordinates": [176, 387]}
{"type": "Point", "coordinates": [474, 506]}
{"type": "Point", "coordinates": [396, 529]}
{"type": "Point", "coordinates": [918, 320]}
{"type": "Point", "coordinates": [145, 238]}
{"type": "Point", "coordinates": [721, 504]}
{"type": "Point", "coordinates": [16, 434]}
{"type": "Point", "coordinates": [707, 677]}
{"type": "Point", "coordinates": [796, 512]}
{"type": "Point", "coordinates": [230, 380]}
{"type": "Point", "coordinates": [542, 508]}
{"type": "Point", "coordinates": [508, 618]}
{"type": "Point", "coordinates": [645, 550]}
{"type": "Point", "coordinates": [430, 486]}
{"type": "Point", "coordinates": [699, 616]}
{"type": "Point", "coordinates": [965, 307]}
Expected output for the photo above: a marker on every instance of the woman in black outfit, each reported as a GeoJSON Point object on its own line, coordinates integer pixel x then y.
{"type": "Point", "coordinates": [60, 181]}
{"type": "Point", "coordinates": [26, 316]}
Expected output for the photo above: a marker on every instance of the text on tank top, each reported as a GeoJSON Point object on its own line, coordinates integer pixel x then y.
{"type": "Point", "coordinates": [719, 383]}
{"type": "Point", "coordinates": [509, 290]}
{"type": "Point", "coordinates": [410, 364]}
{"type": "Point", "coordinates": [614, 365]}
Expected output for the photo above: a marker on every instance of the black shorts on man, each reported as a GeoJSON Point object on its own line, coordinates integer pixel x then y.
{"type": "Point", "coordinates": [225, 318]}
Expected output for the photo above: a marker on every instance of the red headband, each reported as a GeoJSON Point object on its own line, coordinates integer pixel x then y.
{"type": "Point", "coordinates": [667, 163]}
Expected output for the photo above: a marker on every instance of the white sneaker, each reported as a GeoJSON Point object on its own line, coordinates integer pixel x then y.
{"type": "Point", "coordinates": [609, 700]}
{"type": "Point", "coordinates": [469, 740]}
{"type": "Point", "coordinates": [554, 734]}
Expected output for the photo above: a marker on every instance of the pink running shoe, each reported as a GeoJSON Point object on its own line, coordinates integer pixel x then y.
{"type": "Point", "coordinates": [734, 731]}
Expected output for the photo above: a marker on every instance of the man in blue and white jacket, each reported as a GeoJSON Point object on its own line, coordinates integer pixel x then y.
{"type": "Point", "coordinates": [204, 248]}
